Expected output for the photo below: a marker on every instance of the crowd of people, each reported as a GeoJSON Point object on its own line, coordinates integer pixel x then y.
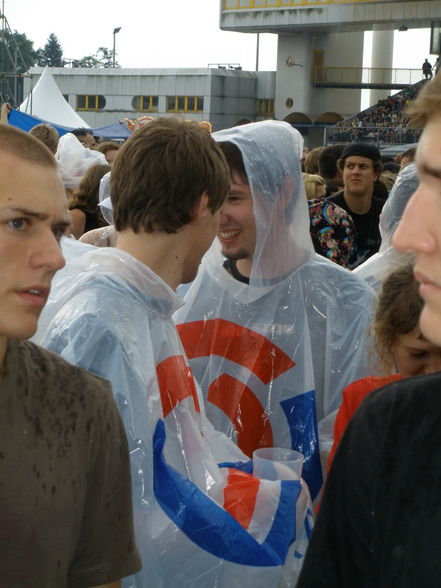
{"type": "Point", "coordinates": [385, 122]}
{"type": "Point", "coordinates": [244, 294]}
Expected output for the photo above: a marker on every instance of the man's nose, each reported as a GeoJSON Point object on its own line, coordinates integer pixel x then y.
{"type": "Point", "coordinates": [47, 252]}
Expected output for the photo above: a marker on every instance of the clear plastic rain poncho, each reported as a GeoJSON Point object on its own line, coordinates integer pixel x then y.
{"type": "Point", "coordinates": [380, 265]}
{"type": "Point", "coordinates": [272, 355]}
{"type": "Point", "coordinates": [74, 160]}
{"type": "Point", "coordinates": [197, 525]}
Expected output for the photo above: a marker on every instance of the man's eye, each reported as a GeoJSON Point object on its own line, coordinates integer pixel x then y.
{"type": "Point", "coordinates": [58, 233]}
{"type": "Point", "coordinates": [19, 224]}
{"type": "Point", "coordinates": [418, 353]}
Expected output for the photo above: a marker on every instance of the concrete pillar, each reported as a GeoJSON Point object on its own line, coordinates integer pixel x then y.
{"type": "Point", "coordinates": [382, 58]}
{"type": "Point", "coordinates": [342, 53]}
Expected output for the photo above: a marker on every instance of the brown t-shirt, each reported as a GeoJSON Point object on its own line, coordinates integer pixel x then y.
{"type": "Point", "coordinates": [65, 496]}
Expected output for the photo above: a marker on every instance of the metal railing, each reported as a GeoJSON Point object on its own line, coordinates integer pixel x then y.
{"type": "Point", "coordinates": [365, 75]}
{"type": "Point", "coordinates": [262, 4]}
{"type": "Point", "coordinates": [379, 136]}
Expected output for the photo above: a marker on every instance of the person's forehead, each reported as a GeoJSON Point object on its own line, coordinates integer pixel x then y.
{"type": "Point", "coordinates": [86, 137]}
{"type": "Point", "coordinates": [429, 146]}
{"type": "Point", "coordinates": [238, 179]}
{"type": "Point", "coordinates": [24, 182]}
{"type": "Point", "coordinates": [416, 339]}
{"type": "Point", "coordinates": [358, 159]}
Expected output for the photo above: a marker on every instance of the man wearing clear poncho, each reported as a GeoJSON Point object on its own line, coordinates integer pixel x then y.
{"type": "Point", "coordinates": [197, 525]}
{"type": "Point", "coordinates": [276, 332]}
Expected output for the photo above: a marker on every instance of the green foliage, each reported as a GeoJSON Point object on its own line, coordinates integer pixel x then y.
{"type": "Point", "coordinates": [51, 54]}
{"type": "Point", "coordinates": [16, 52]}
{"type": "Point", "coordinates": [102, 58]}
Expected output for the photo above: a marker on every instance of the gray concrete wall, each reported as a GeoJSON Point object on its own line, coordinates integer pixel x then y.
{"type": "Point", "coordinates": [294, 61]}
{"type": "Point", "coordinates": [338, 16]}
{"type": "Point", "coordinates": [229, 95]}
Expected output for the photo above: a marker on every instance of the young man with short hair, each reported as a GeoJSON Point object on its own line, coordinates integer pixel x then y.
{"type": "Point", "coordinates": [196, 523]}
{"type": "Point", "coordinates": [65, 504]}
{"type": "Point", "coordinates": [380, 516]}
{"type": "Point", "coordinates": [360, 165]}
{"type": "Point", "coordinates": [85, 137]}
{"type": "Point", "coordinates": [274, 332]}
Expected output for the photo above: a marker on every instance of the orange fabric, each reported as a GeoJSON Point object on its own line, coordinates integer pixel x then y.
{"type": "Point", "coordinates": [240, 495]}
{"type": "Point", "coordinates": [352, 397]}
{"type": "Point", "coordinates": [175, 383]}
{"type": "Point", "coordinates": [252, 425]}
{"type": "Point", "coordinates": [236, 343]}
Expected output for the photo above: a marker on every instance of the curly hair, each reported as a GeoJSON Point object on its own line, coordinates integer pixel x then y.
{"type": "Point", "coordinates": [398, 311]}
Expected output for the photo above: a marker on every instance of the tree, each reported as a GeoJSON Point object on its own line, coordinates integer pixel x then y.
{"type": "Point", "coordinates": [16, 57]}
{"type": "Point", "coordinates": [16, 52]}
{"type": "Point", "coordinates": [51, 54]}
{"type": "Point", "coordinates": [102, 58]}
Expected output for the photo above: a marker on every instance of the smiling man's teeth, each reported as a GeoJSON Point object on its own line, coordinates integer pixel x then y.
{"type": "Point", "coordinates": [229, 234]}
{"type": "Point", "coordinates": [35, 292]}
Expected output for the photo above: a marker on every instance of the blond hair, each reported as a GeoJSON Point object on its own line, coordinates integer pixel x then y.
{"type": "Point", "coordinates": [312, 182]}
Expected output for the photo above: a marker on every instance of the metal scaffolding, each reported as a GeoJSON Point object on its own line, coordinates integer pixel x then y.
{"type": "Point", "coordinates": [12, 65]}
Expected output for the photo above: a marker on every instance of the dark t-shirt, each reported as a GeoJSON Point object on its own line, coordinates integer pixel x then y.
{"type": "Point", "coordinates": [65, 497]}
{"type": "Point", "coordinates": [380, 518]}
{"type": "Point", "coordinates": [93, 220]}
{"type": "Point", "coordinates": [230, 266]}
{"type": "Point", "coordinates": [368, 239]}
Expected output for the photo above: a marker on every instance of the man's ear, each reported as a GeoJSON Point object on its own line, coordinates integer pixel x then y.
{"type": "Point", "coordinates": [201, 209]}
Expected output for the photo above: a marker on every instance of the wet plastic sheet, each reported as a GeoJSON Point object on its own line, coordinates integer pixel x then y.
{"type": "Point", "coordinates": [74, 160]}
{"type": "Point", "coordinates": [197, 524]}
{"type": "Point", "coordinates": [274, 355]}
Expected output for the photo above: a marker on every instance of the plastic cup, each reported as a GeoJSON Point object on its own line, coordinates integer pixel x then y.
{"type": "Point", "coordinates": [277, 463]}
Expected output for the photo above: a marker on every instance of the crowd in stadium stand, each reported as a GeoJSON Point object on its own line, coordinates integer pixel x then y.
{"type": "Point", "coordinates": [385, 122]}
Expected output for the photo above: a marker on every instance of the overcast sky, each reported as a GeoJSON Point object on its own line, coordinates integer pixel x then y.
{"type": "Point", "coordinates": [162, 33]}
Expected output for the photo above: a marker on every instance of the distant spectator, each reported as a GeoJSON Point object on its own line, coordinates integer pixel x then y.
{"type": "Point", "coordinates": [109, 149]}
{"type": "Point", "coordinates": [328, 169]}
{"type": "Point", "coordinates": [302, 160]}
{"type": "Point", "coordinates": [407, 157]}
{"type": "Point", "coordinates": [84, 211]}
{"type": "Point", "coordinates": [427, 69]}
{"type": "Point", "coordinates": [315, 186]}
{"type": "Point", "coordinates": [388, 178]}
{"type": "Point", "coordinates": [47, 135]}
{"type": "Point", "coordinates": [311, 161]}
{"type": "Point", "coordinates": [85, 137]}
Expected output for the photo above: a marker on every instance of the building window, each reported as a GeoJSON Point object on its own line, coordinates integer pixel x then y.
{"type": "Point", "coordinates": [145, 103]}
{"type": "Point", "coordinates": [66, 97]}
{"type": "Point", "coordinates": [265, 106]}
{"type": "Point", "coordinates": [90, 102]}
{"type": "Point", "coordinates": [185, 104]}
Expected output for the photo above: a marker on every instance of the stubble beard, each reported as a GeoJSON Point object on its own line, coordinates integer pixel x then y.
{"type": "Point", "coordinates": [235, 256]}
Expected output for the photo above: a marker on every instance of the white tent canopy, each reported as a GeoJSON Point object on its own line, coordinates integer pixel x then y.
{"type": "Point", "coordinates": [48, 103]}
